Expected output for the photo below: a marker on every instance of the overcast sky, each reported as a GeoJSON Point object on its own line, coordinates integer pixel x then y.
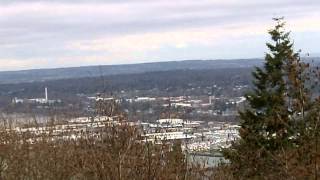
{"type": "Point", "coordinates": [63, 33]}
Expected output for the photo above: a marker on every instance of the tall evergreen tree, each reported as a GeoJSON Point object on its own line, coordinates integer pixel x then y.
{"type": "Point", "coordinates": [267, 126]}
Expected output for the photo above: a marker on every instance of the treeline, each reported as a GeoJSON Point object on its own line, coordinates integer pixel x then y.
{"type": "Point", "coordinates": [116, 151]}
{"type": "Point", "coordinates": [107, 70]}
{"type": "Point", "coordinates": [165, 81]}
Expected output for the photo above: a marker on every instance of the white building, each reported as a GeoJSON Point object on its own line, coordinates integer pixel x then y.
{"type": "Point", "coordinates": [154, 137]}
{"type": "Point", "coordinates": [170, 121]}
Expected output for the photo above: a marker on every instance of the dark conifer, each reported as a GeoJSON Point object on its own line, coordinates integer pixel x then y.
{"type": "Point", "coordinates": [268, 124]}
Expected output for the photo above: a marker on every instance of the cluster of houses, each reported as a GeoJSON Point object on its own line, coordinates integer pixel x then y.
{"type": "Point", "coordinates": [195, 136]}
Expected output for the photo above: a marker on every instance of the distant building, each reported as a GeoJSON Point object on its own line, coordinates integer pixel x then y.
{"type": "Point", "coordinates": [44, 100]}
{"type": "Point", "coordinates": [144, 99]}
{"type": "Point", "coordinates": [170, 121]}
{"type": "Point", "coordinates": [17, 101]}
{"type": "Point", "coordinates": [167, 136]}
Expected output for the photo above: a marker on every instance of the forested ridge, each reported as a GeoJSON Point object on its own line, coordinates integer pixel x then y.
{"type": "Point", "coordinates": [177, 79]}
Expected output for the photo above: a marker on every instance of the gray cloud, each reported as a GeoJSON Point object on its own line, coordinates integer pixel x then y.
{"type": "Point", "coordinates": [45, 29]}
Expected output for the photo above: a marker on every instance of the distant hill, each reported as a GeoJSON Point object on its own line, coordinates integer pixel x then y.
{"type": "Point", "coordinates": [175, 82]}
{"type": "Point", "coordinates": [8, 77]}
{"type": "Point", "coordinates": [104, 70]}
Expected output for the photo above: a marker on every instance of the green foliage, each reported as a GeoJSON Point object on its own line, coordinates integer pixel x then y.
{"type": "Point", "coordinates": [277, 105]}
{"type": "Point", "coordinates": [267, 121]}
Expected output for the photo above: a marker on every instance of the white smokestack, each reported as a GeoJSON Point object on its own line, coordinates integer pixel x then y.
{"type": "Point", "coordinates": [210, 100]}
{"type": "Point", "coordinates": [46, 93]}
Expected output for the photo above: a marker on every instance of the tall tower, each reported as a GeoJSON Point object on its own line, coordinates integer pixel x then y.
{"type": "Point", "coordinates": [46, 93]}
